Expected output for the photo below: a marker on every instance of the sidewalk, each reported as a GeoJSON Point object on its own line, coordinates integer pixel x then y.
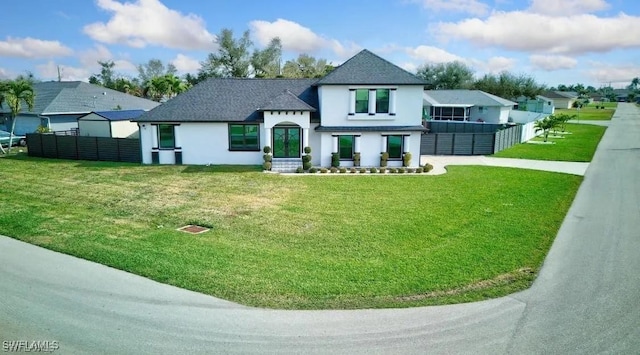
{"type": "Point", "coordinates": [440, 162]}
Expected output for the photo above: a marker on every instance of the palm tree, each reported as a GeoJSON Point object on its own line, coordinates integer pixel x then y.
{"type": "Point", "coordinates": [545, 125]}
{"type": "Point", "coordinates": [14, 93]}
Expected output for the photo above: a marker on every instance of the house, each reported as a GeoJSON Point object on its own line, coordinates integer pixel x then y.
{"type": "Point", "coordinates": [538, 105]}
{"type": "Point", "coordinates": [561, 99]}
{"type": "Point", "coordinates": [466, 105]}
{"type": "Point", "coordinates": [622, 95]}
{"type": "Point", "coordinates": [367, 105]}
{"type": "Point", "coordinates": [114, 124]}
{"type": "Point", "coordinates": [58, 104]}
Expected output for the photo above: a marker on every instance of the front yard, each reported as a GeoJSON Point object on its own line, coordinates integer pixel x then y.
{"type": "Point", "coordinates": [591, 111]}
{"type": "Point", "coordinates": [308, 242]}
{"type": "Point", "coordinates": [578, 146]}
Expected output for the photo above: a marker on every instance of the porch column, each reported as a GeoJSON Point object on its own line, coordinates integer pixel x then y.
{"type": "Point", "coordinates": [334, 144]}
{"type": "Point", "coordinates": [176, 137]}
{"type": "Point", "coordinates": [392, 101]}
{"type": "Point", "coordinates": [406, 144]}
{"type": "Point", "coordinates": [356, 144]}
{"type": "Point", "coordinates": [352, 102]}
{"type": "Point", "coordinates": [384, 144]}
{"type": "Point", "coordinates": [267, 138]}
{"type": "Point", "coordinates": [372, 101]}
{"type": "Point", "coordinates": [305, 138]}
{"type": "Point", "coordinates": [154, 136]}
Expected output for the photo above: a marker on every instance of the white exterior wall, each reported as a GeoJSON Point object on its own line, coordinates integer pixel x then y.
{"type": "Point", "coordinates": [124, 129]}
{"type": "Point", "coordinates": [370, 148]}
{"type": "Point", "coordinates": [94, 128]}
{"type": "Point", "coordinates": [490, 114]}
{"type": "Point", "coordinates": [335, 102]}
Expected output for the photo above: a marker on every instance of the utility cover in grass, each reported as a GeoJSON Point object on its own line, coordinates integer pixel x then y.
{"type": "Point", "coordinates": [193, 229]}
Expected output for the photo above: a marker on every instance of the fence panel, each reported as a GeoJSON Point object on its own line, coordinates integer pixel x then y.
{"type": "Point", "coordinates": [129, 150]}
{"type": "Point", "coordinates": [483, 144]}
{"type": "Point", "coordinates": [107, 149]}
{"type": "Point", "coordinates": [34, 142]}
{"type": "Point", "coordinates": [444, 143]}
{"type": "Point", "coordinates": [49, 146]}
{"type": "Point", "coordinates": [67, 147]}
{"type": "Point", "coordinates": [87, 148]}
{"type": "Point", "coordinates": [428, 144]}
{"type": "Point", "coordinates": [463, 144]}
{"type": "Point", "coordinates": [84, 148]}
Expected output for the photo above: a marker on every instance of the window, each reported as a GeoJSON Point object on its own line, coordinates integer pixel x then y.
{"type": "Point", "coordinates": [244, 137]}
{"type": "Point", "coordinates": [362, 100]}
{"type": "Point", "coordinates": [382, 101]}
{"type": "Point", "coordinates": [345, 147]}
{"type": "Point", "coordinates": [166, 136]}
{"type": "Point", "coordinates": [394, 147]}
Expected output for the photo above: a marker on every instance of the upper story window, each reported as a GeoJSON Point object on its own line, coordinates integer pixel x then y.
{"type": "Point", "coordinates": [382, 101]}
{"type": "Point", "coordinates": [372, 101]}
{"type": "Point", "coordinates": [362, 100]}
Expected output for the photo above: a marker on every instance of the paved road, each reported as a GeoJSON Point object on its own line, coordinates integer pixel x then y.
{"type": "Point", "coordinates": [586, 299]}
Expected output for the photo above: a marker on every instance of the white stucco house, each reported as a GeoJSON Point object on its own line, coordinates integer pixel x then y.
{"type": "Point", "coordinates": [114, 124]}
{"type": "Point", "coordinates": [367, 105]}
{"type": "Point", "coordinates": [466, 106]}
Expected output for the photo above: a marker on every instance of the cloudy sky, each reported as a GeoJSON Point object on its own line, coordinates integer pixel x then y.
{"type": "Point", "coordinates": [594, 42]}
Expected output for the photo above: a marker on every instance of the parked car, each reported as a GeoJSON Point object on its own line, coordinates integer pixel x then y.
{"type": "Point", "coordinates": [17, 140]}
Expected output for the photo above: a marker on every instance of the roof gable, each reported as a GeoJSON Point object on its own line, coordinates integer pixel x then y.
{"type": "Point", "coordinates": [286, 101]}
{"type": "Point", "coordinates": [120, 115]}
{"type": "Point", "coordinates": [366, 68]}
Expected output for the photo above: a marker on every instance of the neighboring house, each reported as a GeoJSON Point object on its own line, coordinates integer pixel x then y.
{"type": "Point", "coordinates": [367, 105]}
{"type": "Point", "coordinates": [114, 124]}
{"type": "Point", "coordinates": [59, 104]}
{"type": "Point", "coordinates": [539, 105]}
{"type": "Point", "coordinates": [622, 95]}
{"type": "Point", "coordinates": [561, 99]}
{"type": "Point", "coordinates": [466, 105]}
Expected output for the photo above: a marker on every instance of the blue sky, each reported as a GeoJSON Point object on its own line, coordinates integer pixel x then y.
{"type": "Point", "coordinates": [594, 42]}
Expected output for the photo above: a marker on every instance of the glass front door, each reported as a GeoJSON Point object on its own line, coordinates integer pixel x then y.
{"type": "Point", "coordinates": [286, 142]}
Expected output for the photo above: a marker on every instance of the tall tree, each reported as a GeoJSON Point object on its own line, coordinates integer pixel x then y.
{"type": "Point", "coordinates": [14, 93]}
{"type": "Point", "coordinates": [106, 76]}
{"type": "Point", "coordinates": [509, 86]}
{"type": "Point", "coordinates": [154, 68]}
{"type": "Point", "coordinates": [232, 58]}
{"type": "Point", "coordinates": [266, 62]}
{"type": "Point", "coordinates": [164, 87]}
{"type": "Point", "coordinates": [446, 76]}
{"type": "Point", "coordinates": [306, 66]}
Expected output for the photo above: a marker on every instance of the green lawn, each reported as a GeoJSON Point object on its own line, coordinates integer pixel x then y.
{"type": "Point", "coordinates": [308, 242]}
{"type": "Point", "coordinates": [590, 112]}
{"type": "Point", "coordinates": [579, 146]}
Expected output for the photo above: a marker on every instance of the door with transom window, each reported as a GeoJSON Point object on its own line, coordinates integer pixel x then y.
{"type": "Point", "coordinates": [286, 142]}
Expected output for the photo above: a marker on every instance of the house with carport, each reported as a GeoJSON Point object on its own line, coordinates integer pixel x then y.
{"type": "Point", "coordinates": [366, 106]}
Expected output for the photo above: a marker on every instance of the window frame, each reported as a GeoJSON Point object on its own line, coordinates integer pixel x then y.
{"type": "Point", "coordinates": [353, 142]}
{"type": "Point", "coordinates": [388, 91]}
{"type": "Point", "coordinates": [366, 106]}
{"type": "Point", "coordinates": [160, 134]}
{"type": "Point", "coordinates": [245, 147]}
{"type": "Point", "coordinates": [401, 147]}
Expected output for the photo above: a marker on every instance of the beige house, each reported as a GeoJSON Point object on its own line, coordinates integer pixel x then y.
{"type": "Point", "coordinates": [113, 124]}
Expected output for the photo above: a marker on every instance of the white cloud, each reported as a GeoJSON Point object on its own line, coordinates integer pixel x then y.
{"type": "Point", "coordinates": [496, 64]}
{"type": "Point", "coordinates": [562, 8]}
{"type": "Point", "coordinates": [613, 73]}
{"type": "Point", "coordinates": [298, 38]}
{"type": "Point", "coordinates": [32, 48]}
{"type": "Point", "coordinates": [49, 71]}
{"type": "Point", "coordinates": [552, 62]}
{"type": "Point", "coordinates": [432, 54]}
{"type": "Point", "coordinates": [473, 7]}
{"type": "Point", "coordinates": [523, 31]}
{"type": "Point", "coordinates": [185, 64]}
{"type": "Point", "coordinates": [4, 74]}
{"type": "Point", "coordinates": [149, 22]}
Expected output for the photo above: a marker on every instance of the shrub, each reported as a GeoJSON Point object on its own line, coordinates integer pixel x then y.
{"type": "Point", "coordinates": [352, 170]}
{"type": "Point", "coordinates": [266, 149]}
{"type": "Point", "coordinates": [266, 165]}
{"type": "Point", "coordinates": [43, 129]}
{"type": "Point", "coordinates": [427, 168]}
{"type": "Point", "coordinates": [335, 160]}
{"type": "Point", "coordinates": [419, 170]}
{"type": "Point", "coordinates": [383, 159]}
{"type": "Point", "coordinates": [373, 170]}
{"type": "Point", "coordinates": [323, 170]}
{"type": "Point", "coordinates": [307, 150]}
{"type": "Point", "coordinates": [411, 170]}
{"type": "Point", "coordinates": [313, 170]}
{"type": "Point", "coordinates": [356, 159]}
{"type": "Point", "coordinates": [299, 170]}
{"type": "Point", "coordinates": [392, 170]}
{"type": "Point", "coordinates": [306, 159]}
{"type": "Point", "coordinates": [363, 170]}
{"type": "Point", "coordinates": [334, 169]}
{"type": "Point", "coordinates": [383, 170]}
{"type": "Point", "coordinates": [267, 157]}
{"type": "Point", "coordinates": [406, 159]}
{"type": "Point", "coordinates": [401, 170]}
{"type": "Point", "coordinates": [343, 170]}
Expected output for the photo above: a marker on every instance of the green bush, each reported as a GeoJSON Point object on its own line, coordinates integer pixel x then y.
{"type": "Point", "coordinates": [384, 157]}
{"type": "Point", "coordinates": [427, 167]}
{"type": "Point", "coordinates": [267, 157]}
{"type": "Point", "coordinates": [323, 170]}
{"type": "Point", "coordinates": [299, 170]}
{"type": "Point", "coordinates": [363, 170]}
{"type": "Point", "coordinates": [306, 158]}
{"type": "Point", "coordinates": [406, 159]}
{"type": "Point", "coordinates": [411, 170]}
{"type": "Point", "coordinates": [334, 169]}
{"type": "Point", "coordinates": [392, 170]}
{"type": "Point", "coordinates": [313, 170]}
{"type": "Point", "coordinates": [356, 159]}
{"type": "Point", "coordinates": [373, 170]}
{"type": "Point", "coordinates": [383, 170]}
{"type": "Point", "coordinates": [266, 165]}
{"type": "Point", "coordinates": [306, 165]}
{"type": "Point", "coordinates": [335, 160]}
{"type": "Point", "coordinates": [307, 150]}
{"type": "Point", "coordinates": [401, 170]}
{"type": "Point", "coordinates": [343, 170]}
{"type": "Point", "coordinates": [266, 149]}
{"type": "Point", "coordinates": [353, 170]}
{"type": "Point", "coordinates": [419, 170]}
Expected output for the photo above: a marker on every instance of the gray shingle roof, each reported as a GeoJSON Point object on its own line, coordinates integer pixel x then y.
{"type": "Point", "coordinates": [366, 68]}
{"type": "Point", "coordinates": [464, 98]}
{"type": "Point", "coordinates": [559, 94]}
{"type": "Point", "coordinates": [80, 97]}
{"type": "Point", "coordinates": [231, 100]}
{"type": "Point", "coordinates": [119, 115]}
{"type": "Point", "coordinates": [369, 128]}
{"type": "Point", "coordinates": [287, 101]}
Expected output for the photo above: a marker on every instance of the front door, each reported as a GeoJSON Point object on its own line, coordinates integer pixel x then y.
{"type": "Point", "coordinates": [286, 142]}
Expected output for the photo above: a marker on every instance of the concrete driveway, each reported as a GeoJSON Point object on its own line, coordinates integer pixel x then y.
{"type": "Point", "coordinates": [585, 299]}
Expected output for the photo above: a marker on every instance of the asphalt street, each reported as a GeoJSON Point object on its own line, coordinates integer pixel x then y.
{"type": "Point", "coordinates": [585, 300]}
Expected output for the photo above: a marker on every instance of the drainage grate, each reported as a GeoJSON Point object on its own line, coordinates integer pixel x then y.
{"type": "Point", "coordinates": [193, 229]}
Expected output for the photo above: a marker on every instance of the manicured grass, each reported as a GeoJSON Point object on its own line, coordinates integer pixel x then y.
{"type": "Point", "coordinates": [295, 242]}
{"type": "Point", "coordinates": [579, 146]}
{"type": "Point", "coordinates": [589, 113]}
{"type": "Point", "coordinates": [607, 104]}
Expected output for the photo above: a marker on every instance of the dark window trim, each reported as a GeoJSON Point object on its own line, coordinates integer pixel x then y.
{"type": "Point", "coordinates": [353, 145]}
{"type": "Point", "coordinates": [173, 126]}
{"type": "Point", "coordinates": [401, 145]}
{"type": "Point", "coordinates": [256, 149]}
